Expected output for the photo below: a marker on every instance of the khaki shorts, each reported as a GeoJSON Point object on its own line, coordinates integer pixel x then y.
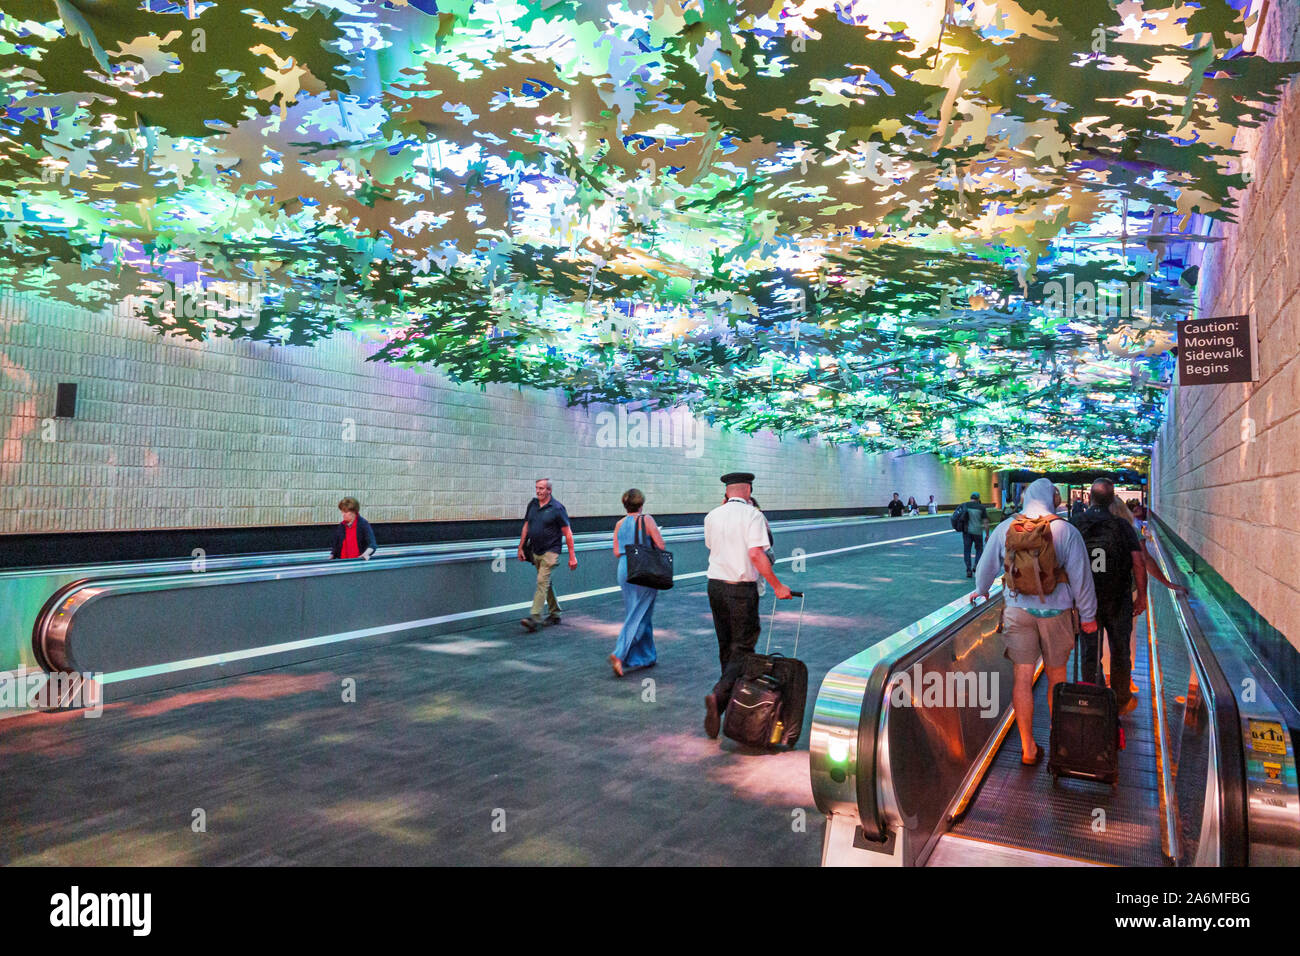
{"type": "Point", "coordinates": [1027, 636]}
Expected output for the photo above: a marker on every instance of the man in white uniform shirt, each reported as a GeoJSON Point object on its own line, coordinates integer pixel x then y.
{"type": "Point", "coordinates": [736, 536]}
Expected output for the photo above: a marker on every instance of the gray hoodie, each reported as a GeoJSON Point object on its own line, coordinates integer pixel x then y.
{"type": "Point", "coordinates": [1071, 554]}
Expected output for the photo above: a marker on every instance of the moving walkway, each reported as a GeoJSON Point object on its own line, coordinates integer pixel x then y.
{"type": "Point", "coordinates": [153, 625]}
{"type": "Point", "coordinates": [911, 766]}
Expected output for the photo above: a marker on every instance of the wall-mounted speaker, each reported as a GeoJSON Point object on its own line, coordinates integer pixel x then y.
{"type": "Point", "coordinates": [65, 406]}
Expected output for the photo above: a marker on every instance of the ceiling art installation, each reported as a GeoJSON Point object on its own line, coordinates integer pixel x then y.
{"type": "Point", "coordinates": [949, 226]}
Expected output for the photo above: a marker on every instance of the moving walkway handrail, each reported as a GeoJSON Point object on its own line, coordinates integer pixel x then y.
{"type": "Point", "coordinates": [849, 715]}
{"type": "Point", "coordinates": [50, 631]}
{"type": "Point", "coordinates": [850, 757]}
{"type": "Point", "coordinates": [1226, 777]}
{"type": "Point", "coordinates": [1170, 838]}
{"type": "Point", "coordinates": [585, 541]}
{"type": "Point", "coordinates": [259, 567]}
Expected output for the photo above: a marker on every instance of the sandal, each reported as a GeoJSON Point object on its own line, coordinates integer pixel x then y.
{"type": "Point", "coordinates": [615, 663]}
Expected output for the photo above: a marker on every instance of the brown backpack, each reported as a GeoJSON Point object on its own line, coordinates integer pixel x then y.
{"type": "Point", "coordinates": [1030, 557]}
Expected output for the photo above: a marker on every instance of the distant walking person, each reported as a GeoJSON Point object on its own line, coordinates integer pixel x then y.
{"type": "Point", "coordinates": [896, 506]}
{"type": "Point", "coordinates": [931, 506]}
{"type": "Point", "coordinates": [974, 528]}
{"type": "Point", "coordinates": [636, 641]}
{"type": "Point", "coordinates": [1046, 577]}
{"type": "Point", "coordinates": [736, 535]}
{"type": "Point", "coordinates": [1139, 513]}
{"type": "Point", "coordinates": [353, 536]}
{"type": "Point", "coordinates": [1120, 510]}
{"type": "Point", "coordinates": [912, 507]}
{"type": "Point", "coordinates": [546, 530]}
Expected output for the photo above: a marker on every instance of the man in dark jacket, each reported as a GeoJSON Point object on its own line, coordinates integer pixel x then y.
{"type": "Point", "coordinates": [1118, 561]}
{"type": "Point", "coordinates": [977, 527]}
{"type": "Point", "coordinates": [353, 537]}
{"type": "Point", "coordinates": [896, 507]}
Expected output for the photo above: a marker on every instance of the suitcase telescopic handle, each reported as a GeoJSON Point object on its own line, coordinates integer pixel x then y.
{"type": "Point", "coordinates": [771, 623]}
{"type": "Point", "coordinates": [1079, 635]}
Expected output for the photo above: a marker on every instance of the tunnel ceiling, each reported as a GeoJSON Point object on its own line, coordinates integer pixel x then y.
{"type": "Point", "coordinates": [901, 225]}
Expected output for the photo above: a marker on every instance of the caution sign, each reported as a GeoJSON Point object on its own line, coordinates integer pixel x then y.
{"type": "Point", "coordinates": [1217, 351]}
{"type": "Point", "coordinates": [1267, 736]}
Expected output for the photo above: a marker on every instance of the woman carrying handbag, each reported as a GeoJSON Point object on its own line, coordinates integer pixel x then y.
{"type": "Point", "coordinates": [636, 642]}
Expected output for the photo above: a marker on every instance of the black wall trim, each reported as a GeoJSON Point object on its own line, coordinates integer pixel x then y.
{"type": "Point", "coordinates": [92, 547]}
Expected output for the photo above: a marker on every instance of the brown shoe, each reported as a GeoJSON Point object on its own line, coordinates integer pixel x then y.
{"type": "Point", "coordinates": [712, 720]}
{"type": "Point", "coordinates": [1129, 707]}
{"type": "Point", "coordinates": [529, 624]}
{"type": "Point", "coordinates": [615, 663]}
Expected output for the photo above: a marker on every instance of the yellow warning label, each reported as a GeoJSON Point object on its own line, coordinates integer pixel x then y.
{"type": "Point", "coordinates": [1267, 737]}
{"type": "Point", "coordinates": [1273, 771]}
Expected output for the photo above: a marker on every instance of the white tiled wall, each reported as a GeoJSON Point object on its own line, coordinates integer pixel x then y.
{"type": "Point", "coordinates": [171, 433]}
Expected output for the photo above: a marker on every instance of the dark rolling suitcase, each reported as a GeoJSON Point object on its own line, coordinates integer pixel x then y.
{"type": "Point", "coordinates": [1086, 736]}
{"type": "Point", "coordinates": [767, 703]}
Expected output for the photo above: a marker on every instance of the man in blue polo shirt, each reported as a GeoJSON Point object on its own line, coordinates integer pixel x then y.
{"type": "Point", "coordinates": [546, 528]}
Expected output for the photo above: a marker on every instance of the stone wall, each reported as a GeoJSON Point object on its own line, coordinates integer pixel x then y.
{"type": "Point", "coordinates": [1227, 464]}
{"type": "Point", "coordinates": [176, 434]}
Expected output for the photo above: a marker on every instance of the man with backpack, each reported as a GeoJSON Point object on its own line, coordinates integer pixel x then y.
{"type": "Point", "coordinates": [972, 520]}
{"type": "Point", "coordinates": [1046, 577]}
{"type": "Point", "coordinates": [1118, 561]}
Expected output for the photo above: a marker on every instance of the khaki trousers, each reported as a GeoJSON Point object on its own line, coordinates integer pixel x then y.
{"type": "Point", "coordinates": [545, 593]}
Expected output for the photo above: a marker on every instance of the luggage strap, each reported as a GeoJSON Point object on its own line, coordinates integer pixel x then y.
{"type": "Point", "coordinates": [771, 622]}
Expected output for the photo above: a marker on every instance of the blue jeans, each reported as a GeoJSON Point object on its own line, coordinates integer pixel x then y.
{"type": "Point", "coordinates": [977, 541]}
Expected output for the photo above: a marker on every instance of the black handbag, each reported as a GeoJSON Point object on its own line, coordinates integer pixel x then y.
{"type": "Point", "coordinates": [648, 565]}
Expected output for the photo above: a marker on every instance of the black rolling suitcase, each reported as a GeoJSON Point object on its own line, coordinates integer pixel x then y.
{"type": "Point", "coordinates": [1086, 737]}
{"type": "Point", "coordinates": [767, 703]}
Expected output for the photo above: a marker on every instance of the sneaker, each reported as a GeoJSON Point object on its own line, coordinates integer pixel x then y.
{"type": "Point", "coordinates": [529, 624]}
{"type": "Point", "coordinates": [553, 619]}
{"type": "Point", "coordinates": [712, 721]}
{"type": "Point", "coordinates": [970, 573]}
{"type": "Point", "coordinates": [1129, 707]}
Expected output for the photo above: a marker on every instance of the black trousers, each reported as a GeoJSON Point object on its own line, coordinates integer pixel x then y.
{"type": "Point", "coordinates": [1116, 619]}
{"type": "Point", "coordinates": [735, 619]}
{"type": "Point", "coordinates": [977, 542]}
